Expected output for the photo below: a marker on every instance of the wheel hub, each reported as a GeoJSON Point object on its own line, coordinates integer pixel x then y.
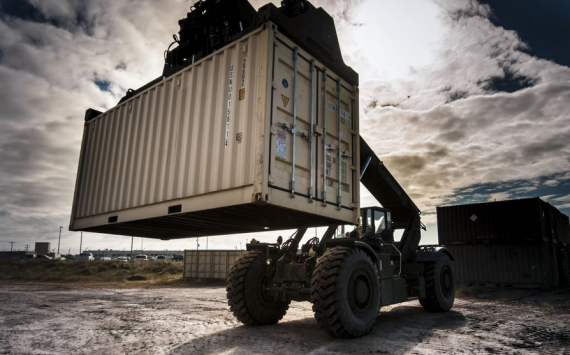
{"type": "Point", "coordinates": [359, 289]}
{"type": "Point", "coordinates": [446, 281]}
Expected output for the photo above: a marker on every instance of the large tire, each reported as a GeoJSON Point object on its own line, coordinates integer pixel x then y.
{"type": "Point", "coordinates": [440, 285]}
{"type": "Point", "coordinates": [345, 292]}
{"type": "Point", "coordinates": [246, 297]}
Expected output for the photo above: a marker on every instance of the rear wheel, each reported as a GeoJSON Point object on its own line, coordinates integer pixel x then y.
{"type": "Point", "coordinates": [440, 285]}
{"type": "Point", "coordinates": [245, 290]}
{"type": "Point", "coordinates": [345, 292]}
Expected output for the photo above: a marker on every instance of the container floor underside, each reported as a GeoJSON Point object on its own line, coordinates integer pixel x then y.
{"type": "Point", "coordinates": [245, 218]}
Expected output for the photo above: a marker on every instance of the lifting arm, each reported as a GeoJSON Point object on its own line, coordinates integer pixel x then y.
{"type": "Point", "coordinates": [382, 185]}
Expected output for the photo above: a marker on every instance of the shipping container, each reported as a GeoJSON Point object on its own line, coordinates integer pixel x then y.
{"type": "Point", "coordinates": [209, 264]}
{"type": "Point", "coordinates": [257, 136]}
{"type": "Point", "coordinates": [505, 264]}
{"type": "Point", "coordinates": [43, 248]}
{"type": "Point", "coordinates": [525, 220]}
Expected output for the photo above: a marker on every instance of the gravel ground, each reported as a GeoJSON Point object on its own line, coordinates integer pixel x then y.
{"type": "Point", "coordinates": [56, 319]}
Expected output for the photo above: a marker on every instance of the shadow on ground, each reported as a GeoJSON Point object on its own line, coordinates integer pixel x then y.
{"type": "Point", "coordinates": [397, 331]}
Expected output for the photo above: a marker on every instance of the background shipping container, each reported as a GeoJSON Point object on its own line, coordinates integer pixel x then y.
{"type": "Point", "coordinates": [512, 264]}
{"type": "Point", "coordinates": [530, 220]}
{"type": "Point", "coordinates": [256, 136]}
{"type": "Point", "coordinates": [209, 264]}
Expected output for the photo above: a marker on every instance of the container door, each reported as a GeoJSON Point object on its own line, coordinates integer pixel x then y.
{"type": "Point", "coordinates": [314, 135]}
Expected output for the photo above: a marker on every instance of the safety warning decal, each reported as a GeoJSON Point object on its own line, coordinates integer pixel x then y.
{"type": "Point", "coordinates": [241, 94]}
{"type": "Point", "coordinates": [285, 100]}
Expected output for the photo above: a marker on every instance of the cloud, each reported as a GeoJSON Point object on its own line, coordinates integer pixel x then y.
{"type": "Point", "coordinates": [464, 110]}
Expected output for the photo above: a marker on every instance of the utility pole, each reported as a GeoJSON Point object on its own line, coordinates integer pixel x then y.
{"type": "Point", "coordinates": [11, 246]}
{"type": "Point", "coordinates": [80, 242]}
{"type": "Point", "coordinates": [27, 246]}
{"type": "Point", "coordinates": [132, 240]}
{"type": "Point", "coordinates": [59, 240]}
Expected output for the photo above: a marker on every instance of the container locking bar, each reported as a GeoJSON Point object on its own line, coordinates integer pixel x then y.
{"type": "Point", "coordinates": [312, 132]}
{"type": "Point", "coordinates": [325, 148]}
{"type": "Point", "coordinates": [293, 129]}
{"type": "Point", "coordinates": [338, 162]}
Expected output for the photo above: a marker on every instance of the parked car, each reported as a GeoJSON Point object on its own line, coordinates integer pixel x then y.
{"type": "Point", "coordinates": [30, 256]}
{"type": "Point", "coordinates": [161, 257]}
{"type": "Point", "coordinates": [177, 258]}
{"type": "Point", "coordinates": [141, 257]}
{"type": "Point", "coordinates": [123, 258]}
{"type": "Point", "coordinates": [85, 256]}
{"type": "Point", "coordinates": [43, 257]}
{"type": "Point", "coordinates": [106, 258]}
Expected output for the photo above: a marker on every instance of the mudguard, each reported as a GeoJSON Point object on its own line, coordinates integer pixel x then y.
{"type": "Point", "coordinates": [350, 242]}
{"type": "Point", "coordinates": [429, 253]}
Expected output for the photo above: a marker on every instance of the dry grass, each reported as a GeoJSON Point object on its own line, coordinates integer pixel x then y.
{"type": "Point", "coordinates": [119, 273]}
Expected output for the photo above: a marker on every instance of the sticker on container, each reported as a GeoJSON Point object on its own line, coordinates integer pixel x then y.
{"type": "Point", "coordinates": [229, 106]}
{"type": "Point", "coordinates": [243, 73]}
{"type": "Point", "coordinates": [239, 137]}
{"type": "Point", "coordinates": [285, 83]}
{"type": "Point", "coordinates": [241, 94]}
{"type": "Point", "coordinates": [281, 148]}
{"type": "Point", "coordinates": [285, 100]}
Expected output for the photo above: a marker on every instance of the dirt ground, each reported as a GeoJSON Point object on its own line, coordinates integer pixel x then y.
{"type": "Point", "coordinates": [56, 319]}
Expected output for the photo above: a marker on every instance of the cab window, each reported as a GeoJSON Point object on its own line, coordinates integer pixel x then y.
{"type": "Point", "coordinates": [379, 221]}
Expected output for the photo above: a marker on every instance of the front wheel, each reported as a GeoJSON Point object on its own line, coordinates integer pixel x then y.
{"type": "Point", "coordinates": [440, 285]}
{"type": "Point", "coordinates": [345, 292]}
{"type": "Point", "coordinates": [245, 290]}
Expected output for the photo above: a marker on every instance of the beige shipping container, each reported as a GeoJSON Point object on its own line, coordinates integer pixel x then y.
{"type": "Point", "coordinates": [256, 136]}
{"type": "Point", "coordinates": [209, 264]}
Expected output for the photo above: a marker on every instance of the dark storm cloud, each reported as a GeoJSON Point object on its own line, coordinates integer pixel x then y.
{"type": "Point", "coordinates": [554, 188]}
{"type": "Point", "coordinates": [508, 82]}
{"type": "Point", "coordinates": [50, 52]}
{"type": "Point", "coordinates": [543, 24]}
{"type": "Point", "coordinates": [68, 14]}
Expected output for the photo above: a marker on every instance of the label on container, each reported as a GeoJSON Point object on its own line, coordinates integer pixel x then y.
{"type": "Point", "coordinates": [229, 107]}
{"type": "Point", "coordinates": [281, 146]}
{"type": "Point", "coordinates": [285, 100]}
{"type": "Point", "coordinates": [344, 116]}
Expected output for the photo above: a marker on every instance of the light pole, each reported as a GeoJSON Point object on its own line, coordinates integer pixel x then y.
{"type": "Point", "coordinates": [11, 246]}
{"type": "Point", "coordinates": [59, 240]}
{"type": "Point", "coordinates": [132, 240]}
{"type": "Point", "coordinates": [69, 251]}
{"type": "Point", "coordinates": [80, 242]}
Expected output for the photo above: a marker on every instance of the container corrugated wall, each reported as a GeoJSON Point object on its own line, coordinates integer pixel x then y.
{"type": "Point", "coordinates": [147, 151]}
{"type": "Point", "coordinates": [209, 264]}
{"type": "Point", "coordinates": [257, 136]}
{"type": "Point", "coordinates": [529, 264]}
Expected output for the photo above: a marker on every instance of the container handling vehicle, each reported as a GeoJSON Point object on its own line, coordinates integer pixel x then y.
{"type": "Point", "coordinates": [307, 162]}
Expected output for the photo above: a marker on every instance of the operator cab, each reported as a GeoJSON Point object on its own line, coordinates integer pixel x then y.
{"type": "Point", "coordinates": [377, 223]}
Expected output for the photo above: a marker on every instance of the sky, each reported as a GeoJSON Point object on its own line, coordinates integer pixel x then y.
{"type": "Point", "coordinates": [465, 101]}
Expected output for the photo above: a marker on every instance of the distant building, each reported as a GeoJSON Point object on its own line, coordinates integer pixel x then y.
{"type": "Point", "coordinates": [97, 254]}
